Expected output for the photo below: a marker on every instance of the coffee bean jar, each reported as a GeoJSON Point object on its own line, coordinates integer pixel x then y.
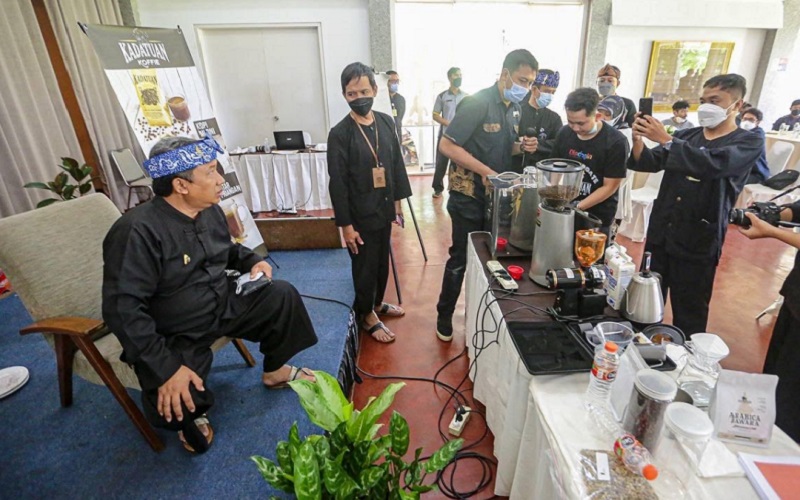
{"type": "Point", "coordinates": [644, 417]}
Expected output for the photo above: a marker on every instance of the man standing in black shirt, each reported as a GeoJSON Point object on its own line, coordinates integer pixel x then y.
{"type": "Point", "coordinates": [368, 181]}
{"type": "Point", "coordinates": [783, 355]}
{"type": "Point", "coordinates": [704, 171]}
{"type": "Point", "coordinates": [599, 146]}
{"type": "Point", "coordinates": [480, 142]}
{"type": "Point", "coordinates": [398, 101]}
{"type": "Point", "coordinates": [544, 122]}
{"type": "Point", "coordinates": [608, 79]}
{"type": "Point", "coordinates": [790, 120]}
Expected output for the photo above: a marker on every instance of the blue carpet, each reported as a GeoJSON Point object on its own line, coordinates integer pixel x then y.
{"type": "Point", "coordinates": [92, 450]}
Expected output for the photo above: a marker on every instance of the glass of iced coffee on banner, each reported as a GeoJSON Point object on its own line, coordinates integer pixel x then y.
{"type": "Point", "coordinates": [179, 108]}
{"type": "Point", "coordinates": [234, 218]}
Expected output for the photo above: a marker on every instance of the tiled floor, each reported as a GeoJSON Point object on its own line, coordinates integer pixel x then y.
{"type": "Point", "coordinates": [748, 280]}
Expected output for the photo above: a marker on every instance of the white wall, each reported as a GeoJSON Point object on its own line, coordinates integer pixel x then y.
{"type": "Point", "coordinates": [629, 49]}
{"type": "Point", "coordinates": [344, 26]}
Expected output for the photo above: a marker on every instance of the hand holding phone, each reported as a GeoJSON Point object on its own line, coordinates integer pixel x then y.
{"type": "Point", "coordinates": [646, 106]}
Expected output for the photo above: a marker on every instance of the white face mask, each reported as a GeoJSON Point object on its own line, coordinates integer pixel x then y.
{"type": "Point", "coordinates": [679, 120]}
{"type": "Point", "coordinates": [710, 115]}
{"type": "Point", "coordinates": [747, 125]}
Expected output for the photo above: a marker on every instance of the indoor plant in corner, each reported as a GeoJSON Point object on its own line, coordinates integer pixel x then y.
{"type": "Point", "coordinates": [61, 186]}
{"type": "Point", "coordinates": [351, 460]}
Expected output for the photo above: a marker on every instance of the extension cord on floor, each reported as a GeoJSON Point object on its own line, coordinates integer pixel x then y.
{"type": "Point", "coordinates": [456, 425]}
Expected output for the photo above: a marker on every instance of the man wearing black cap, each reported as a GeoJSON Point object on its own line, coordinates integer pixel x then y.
{"type": "Point", "coordinates": [608, 80]}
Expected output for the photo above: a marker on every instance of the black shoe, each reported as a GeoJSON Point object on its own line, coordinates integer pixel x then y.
{"type": "Point", "coordinates": [444, 329]}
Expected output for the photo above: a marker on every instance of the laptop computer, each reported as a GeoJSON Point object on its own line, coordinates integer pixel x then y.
{"type": "Point", "coordinates": [289, 140]}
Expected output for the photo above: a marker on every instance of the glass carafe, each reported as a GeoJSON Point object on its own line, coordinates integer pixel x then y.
{"type": "Point", "coordinates": [699, 377]}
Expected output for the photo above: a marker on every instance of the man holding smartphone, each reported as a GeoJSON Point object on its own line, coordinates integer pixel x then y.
{"type": "Point", "coordinates": [704, 171]}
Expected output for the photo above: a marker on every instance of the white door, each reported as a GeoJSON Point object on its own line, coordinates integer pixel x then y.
{"type": "Point", "coordinates": [263, 79]}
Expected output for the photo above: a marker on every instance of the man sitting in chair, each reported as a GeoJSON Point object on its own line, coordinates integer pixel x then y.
{"type": "Point", "coordinates": [167, 297]}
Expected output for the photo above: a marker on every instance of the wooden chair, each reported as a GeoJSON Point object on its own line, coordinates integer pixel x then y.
{"type": "Point", "coordinates": [54, 257]}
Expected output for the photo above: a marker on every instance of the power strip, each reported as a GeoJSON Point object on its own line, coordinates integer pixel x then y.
{"type": "Point", "coordinates": [501, 275]}
{"type": "Point", "coordinates": [456, 425]}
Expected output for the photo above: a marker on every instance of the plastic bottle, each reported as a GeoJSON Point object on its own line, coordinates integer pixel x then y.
{"type": "Point", "coordinates": [604, 371]}
{"type": "Point", "coordinates": [635, 456]}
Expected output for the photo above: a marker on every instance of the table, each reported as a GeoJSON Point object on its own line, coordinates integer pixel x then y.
{"type": "Point", "coordinates": [539, 423]}
{"type": "Point", "coordinates": [284, 181]}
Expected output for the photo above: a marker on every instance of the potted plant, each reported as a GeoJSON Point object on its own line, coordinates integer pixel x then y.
{"type": "Point", "coordinates": [61, 186]}
{"type": "Point", "coordinates": [351, 460]}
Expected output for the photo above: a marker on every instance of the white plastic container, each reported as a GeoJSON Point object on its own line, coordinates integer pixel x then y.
{"type": "Point", "coordinates": [644, 417]}
{"type": "Point", "coordinates": [619, 272]}
{"type": "Point", "coordinates": [692, 428]}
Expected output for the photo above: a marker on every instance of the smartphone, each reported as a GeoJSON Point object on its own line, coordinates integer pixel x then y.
{"type": "Point", "coordinates": [646, 106]}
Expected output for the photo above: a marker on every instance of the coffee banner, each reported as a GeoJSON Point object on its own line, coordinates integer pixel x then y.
{"type": "Point", "coordinates": [160, 90]}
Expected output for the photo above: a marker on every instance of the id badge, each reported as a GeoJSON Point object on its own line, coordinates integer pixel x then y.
{"type": "Point", "coordinates": [379, 177]}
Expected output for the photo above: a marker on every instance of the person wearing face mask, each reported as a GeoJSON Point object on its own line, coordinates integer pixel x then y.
{"type": "Point", "coordinates": [368, 180]}
{"type": "Point", "coordinates": [792, 119]}
{"type": "Point", "coordinates": [680, 109]}
{"type": "Point", "coordinates": [444, 109]}
{"type": "Point", "coordinates": [751, 121]}
{"type": "Point", "coordinates": [704, 170]}
{"type": "Point", "coordinates": [608, 80]}
{"type": "Point", "coordinates": [598, 145]}
{"type": "Point", "coordinates": [480, 141]}
{"type": "Point", "coordinates": [398, 101]}
{"type": "Point", "coordinates": [537, 116]}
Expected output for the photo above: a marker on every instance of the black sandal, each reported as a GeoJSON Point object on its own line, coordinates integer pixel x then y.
{"type": "Point", "coordinates": [380, 326]}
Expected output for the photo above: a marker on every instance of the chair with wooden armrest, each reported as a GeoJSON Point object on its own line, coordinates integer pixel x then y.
{"type": "Point", "coordinates": [54, 257]}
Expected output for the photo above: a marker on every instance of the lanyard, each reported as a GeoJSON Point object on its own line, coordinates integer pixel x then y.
{"type": "Point", "coordinates": [377, 147]}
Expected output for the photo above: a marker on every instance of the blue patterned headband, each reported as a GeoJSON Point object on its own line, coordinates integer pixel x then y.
{"type": "Point", "coordinates": [547, 78]}
{"type": "Point", "coordinates": [183, 158]}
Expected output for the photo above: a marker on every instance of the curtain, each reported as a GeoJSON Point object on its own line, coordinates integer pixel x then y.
{"type": "Point", "coordinates": [105, 119]}
{"type": "Point", "coordinates": [35, 129]}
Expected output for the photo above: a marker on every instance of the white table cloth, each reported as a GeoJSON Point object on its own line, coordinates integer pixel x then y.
{"type": "Point", "coordinates": [284, 181]}
{"type": "Point", "coordinates": [540, 425]}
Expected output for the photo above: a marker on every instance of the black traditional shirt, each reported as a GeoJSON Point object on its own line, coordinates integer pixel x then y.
{"type": "Point", "coordinates": [350, 162]}
{"type": "Point", "coordinates": [702, 179]}
{"type": "Point", "coordinates": [791, 286]}
{"type": "Point", "coordinates": [545, 124]}
{"type": "Point", "coordinates": [164, 278]}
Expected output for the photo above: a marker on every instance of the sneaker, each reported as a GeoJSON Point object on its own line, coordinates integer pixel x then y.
{"type": "Point", "coordinates": [444, 329]}
{"type": "Point", "coordinates": [437, 194]}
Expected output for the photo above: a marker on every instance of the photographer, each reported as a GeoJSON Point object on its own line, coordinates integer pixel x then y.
{"type": "Point", "coordinates": [783, 355]}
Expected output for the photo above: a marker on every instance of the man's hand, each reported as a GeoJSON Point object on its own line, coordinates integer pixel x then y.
{"type": "Point", "coordinates": [175, 390]}
{"type": "Point", "coordinates": [758, 228]}
{"type": "Point", "coordinates": [529, 144]}
{"type": "Point", "coordinates": [649, 127]}
{"type": "Point", "coordinates": [261, 267]}
{"type": "Point", "coordinates": [352, 239]}
{"type": "Point", "coordinates": [485, 177]}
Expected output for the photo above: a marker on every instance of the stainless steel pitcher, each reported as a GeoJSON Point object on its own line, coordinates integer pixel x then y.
{"type": "Point", "coordinates": [643, 301]}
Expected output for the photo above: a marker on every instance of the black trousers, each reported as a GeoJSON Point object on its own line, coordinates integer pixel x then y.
{"type": "Point", "coordinates": [273, 316]}
{"type": "Point", "coordinates": [467, 215]}
{"type": "Point", "coordinates": [442, 162]}
{"type": "Point", "coordinates": [371, 269]}
{"type": "Point", "coordinates": [689, 284]}
{"type": "Point", "coordinates": [783, 357]}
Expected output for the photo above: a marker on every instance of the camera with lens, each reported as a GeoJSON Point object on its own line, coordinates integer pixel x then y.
{"type": "Point", "coordinates": [766, 211]}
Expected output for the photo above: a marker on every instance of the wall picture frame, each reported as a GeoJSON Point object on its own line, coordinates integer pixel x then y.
{"type": "Point", "coordinates": [678, 70]}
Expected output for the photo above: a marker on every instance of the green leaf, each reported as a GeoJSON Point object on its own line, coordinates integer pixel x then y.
{"type": "Point", "coordinates": [370, 477]}
{"type": "Point", "coordinates": [284, 456]}
{"type": "Point", "coordinates": [372, 411]}
{"type": "Point", "coordinates": [331, 392]}
{"type": "Point", "coordinates": [294, 442]}
{"type": "Point", "coordinates": [379, 448]}
{"type": "Point", "coordinates": [307, 481]}
{"type": "Point", "coordinates": [408, 495]}
{"type": "Point", "coordinates": [398, 429]}
{"type": "Point", "coordinates": [60, 181]}
{"type": "Point", "coordinates": [272, 474]}
{"type": "Point", "coordinates": [85, 188]}
{"type": "Point", "coordinates": [37, 185]}
{"type": "Point", "coordinates": [443, 455]}
{"type": "Point", "coordinates": [339, 441]}
{"type": "Point", "coordinates": [46, 202]}
{"type": "Point", "coordinates": [69, 192]}
{"type": "Point", "coordinates": [323, 448]}
{"type": "Point", "coordinates": [68, 162]}
{"type": "Point", "coordinates": [315, 405]}
{"type": "Point", "coordinates": [360, 454]}
{"type": "Point", "coordinates": [424, 488]}
{"type": "Point", "coordinates": [414, 475]}
{"type": "Point", "coordinates": [337, 481]}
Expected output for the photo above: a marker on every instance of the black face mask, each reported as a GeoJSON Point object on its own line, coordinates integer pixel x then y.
{"type": "Point", "coordinates": [457, 82]}
{"type": "Point", "coordinates": [795, 112]}
{"type": "Point", "coordinates": [362, 105]}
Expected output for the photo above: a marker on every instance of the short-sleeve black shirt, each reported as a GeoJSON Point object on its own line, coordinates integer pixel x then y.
{"type": "Point", "coordinates": [486, 127]}
{"type": "Point", "coordinates": [604, 156]}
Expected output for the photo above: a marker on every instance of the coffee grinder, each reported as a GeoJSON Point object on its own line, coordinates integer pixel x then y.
{"type": "Point", "coordinates": [558, 182]}
{"type": "Point", "coordinates": [577, 288]}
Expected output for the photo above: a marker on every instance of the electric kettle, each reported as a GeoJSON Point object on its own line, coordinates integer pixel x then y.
{"type": "Point", "coordinates": [643, 301]}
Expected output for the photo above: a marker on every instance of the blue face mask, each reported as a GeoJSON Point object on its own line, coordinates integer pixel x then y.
{"type": "Point", "coordinates": [544, 99]}
{"type": "Point", "coordinates": [394, 87]}
{"type": "Point", "coordinates": [516, 93]}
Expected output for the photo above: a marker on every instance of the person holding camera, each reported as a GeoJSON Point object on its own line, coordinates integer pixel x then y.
{"type": "Point", "coordinates": [783, 355]}
{"type": "Point", "coordinates": [704, 170]}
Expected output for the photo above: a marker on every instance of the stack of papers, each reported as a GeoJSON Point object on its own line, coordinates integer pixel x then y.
{"type": "Point", "coordinates": [773, 478]}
